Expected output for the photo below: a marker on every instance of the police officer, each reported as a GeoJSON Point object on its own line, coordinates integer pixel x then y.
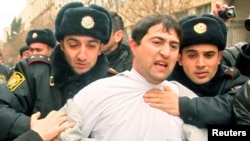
{"type": "Point", "coordinates": [38, 41]}
{"type": "Point", "coordinates": [41, 41]}
{"type": "Point", "coordinates": [211, 81]}
{"type": "Point", "coordinates": [24, 52]}
{"type": "Point", "coordinates": [42, 84]}
{"type": "Point", "coordinates": [117, 50]}
{"type": "Point", "coordinates": [199, 69]}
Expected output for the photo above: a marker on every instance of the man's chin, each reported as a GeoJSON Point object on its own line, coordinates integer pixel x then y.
{"type": "Point", "coordinates": [81, 71]}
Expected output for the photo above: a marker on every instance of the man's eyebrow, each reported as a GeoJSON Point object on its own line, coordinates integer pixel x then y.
{"type": "Point", "coordinates": [94, 40]}
{"type": "Point", "coordinates": [163, 39]}
{"type": "Point", "coordinates": [72, 38]}
{"type": "Point", "coordinates": [90, 40]}
{"type": "Point", "coordinates": [190, 50]}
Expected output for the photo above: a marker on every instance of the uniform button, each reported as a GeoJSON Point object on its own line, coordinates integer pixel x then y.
{"type": "Point", "coordinates": [190, 118]}
{"type": "Point", "coordinates": [70, 93]}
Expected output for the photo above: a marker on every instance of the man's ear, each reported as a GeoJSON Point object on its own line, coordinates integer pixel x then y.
{"type": "Point", "coordinates": [180, 59]}
{"type": "Point", "coordinates": [100, 50]}
{"type": "Point", "coordinates": [50, 49]}
{"type": "Point", "coordinates": [220, 56]}
{"type": "Point", "coordinates": [133, 46]}
{"type": "Point", "coordinates": [61, 45]}
{"type": "Point", "coordinates": [118, 35]}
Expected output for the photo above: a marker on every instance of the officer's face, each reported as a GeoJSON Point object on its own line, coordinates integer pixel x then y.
{"type": "Point", "coordinates": [40, 48]}
{"type": "Point", "coordinates": [157, 54]}
{"type": "Point", "coordinates": [81, 52]}
{"type": "Point", "coordinates": [114, 40]}
{"type": "Point", "coordinates": [200, 62]}
{"type": "Point", "coordinates": [25, 54]}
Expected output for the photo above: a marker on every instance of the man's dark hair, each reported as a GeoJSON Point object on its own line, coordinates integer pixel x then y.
{"type": "Point", "coordinates": [22, 49]}
{"type": "Point", "coordinates": [143, 25]}
{"type": "Point", "coordinates": [117, 22]}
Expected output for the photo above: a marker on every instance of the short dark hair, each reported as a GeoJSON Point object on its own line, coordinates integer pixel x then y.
{"type": "Point", "coordinates": [142, 26]}
{"type": "Point", "coordinates": [22, 49]}
{"type": "Point", "coordinates": [117, 22]}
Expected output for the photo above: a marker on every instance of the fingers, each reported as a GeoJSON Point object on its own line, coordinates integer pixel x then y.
{"type": "Point", "coordinates": [153, 92]}
{"type": "Point", "coordinates": [219, 5]}
{"type": "Point", "coordinates": [56, 113]}
{"type": "Point", "coordinates": [59, 118]}
{"type": "Point", "coordinates": [154, 96]}
{"type": "Point", "coordinates": [67, 125]}
{"type": "Point", "coordinates": [167, 88]}
{"type": "Point", "coordinates": [50, 126]}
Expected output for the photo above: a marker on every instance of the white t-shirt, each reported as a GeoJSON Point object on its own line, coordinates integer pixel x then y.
{"type": "Point", "coordinates": [114, 110]}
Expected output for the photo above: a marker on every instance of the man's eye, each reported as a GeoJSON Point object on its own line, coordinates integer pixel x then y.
{"type": "Point", "coordinates": [191, 55]}
{"type": "Point", "coordinates": [209, 55]}
{"type": "Point", "coordinates": [156, 42]}
{"type": "Point", "coordinates": [91, 46]}
{"type": "Point", "coordinates": [174, 46]}
{"type": "Point", "coordinates": [74, 45]}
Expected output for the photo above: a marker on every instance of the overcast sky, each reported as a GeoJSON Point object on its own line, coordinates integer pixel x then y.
{"type": "Point", "coordinates": [8, 10]}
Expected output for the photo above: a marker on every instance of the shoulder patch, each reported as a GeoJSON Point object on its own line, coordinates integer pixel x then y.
{"type": "Point", "coordinates": [112, 71]}
{"type": "Point", "coordinates": [232, 72]}
{"type": "Point", "coordinates": [38, 58]}
{"type": "Point", "coordinates": [15, 80]}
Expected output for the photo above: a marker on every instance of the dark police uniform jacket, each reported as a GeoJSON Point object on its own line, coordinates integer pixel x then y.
{"type": "Point", "coordinates": [215, 102]}
{"type": "Point", "coordinates": [242, 105]}
{"type": "Point", "coordinates": [238, 56]}
{"type": "Point", "coordinates": [40, 85]}
{"type": "Point", "coordinates": [121, 58]}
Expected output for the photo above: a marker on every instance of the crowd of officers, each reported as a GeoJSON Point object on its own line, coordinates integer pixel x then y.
{"type": "Point", "coordinates": [88, 44]}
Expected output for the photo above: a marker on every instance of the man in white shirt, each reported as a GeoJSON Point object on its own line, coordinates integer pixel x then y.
{"type": "Point", "coordinates": [114, 109]}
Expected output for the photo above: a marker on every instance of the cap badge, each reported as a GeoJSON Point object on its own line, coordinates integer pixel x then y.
{"type": "Point", "coordinates": [34, 35]}
{"type": "Point", "coordinates": [87, 22]}
{"type": "Point", "coordinates": [200, 28]}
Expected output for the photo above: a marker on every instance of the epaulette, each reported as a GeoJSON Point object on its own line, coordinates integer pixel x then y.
{"type": "Point", "coordinates": [112, 71]}
{"type": "Point", "coordinates": [232, 72]}
{"type": "Point", "coordinates": [38, 58]}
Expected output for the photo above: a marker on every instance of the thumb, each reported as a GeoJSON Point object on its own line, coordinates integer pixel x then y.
{"type": "Point", "coordinates": [35, 116]}
{"type": "Point", "coordinates": [166, 88]}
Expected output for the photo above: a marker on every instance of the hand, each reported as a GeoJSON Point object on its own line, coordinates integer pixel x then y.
{"type": "Point", "coordinates": [166, 100]}
{"type": "Point", "coordinates": [51, 126]}
{"type": "Point", "coordinates": [219, 6]}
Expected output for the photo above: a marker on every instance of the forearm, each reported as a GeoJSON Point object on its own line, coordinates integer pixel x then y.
{"type": "Point", "coordinates": [241, 105]}
{"type": "Point", "coordinates": [202, 111]}
{"type": "Point", "coordinates": [29, 135]}
{"type": "Point", "coordinates": [13, 121]}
